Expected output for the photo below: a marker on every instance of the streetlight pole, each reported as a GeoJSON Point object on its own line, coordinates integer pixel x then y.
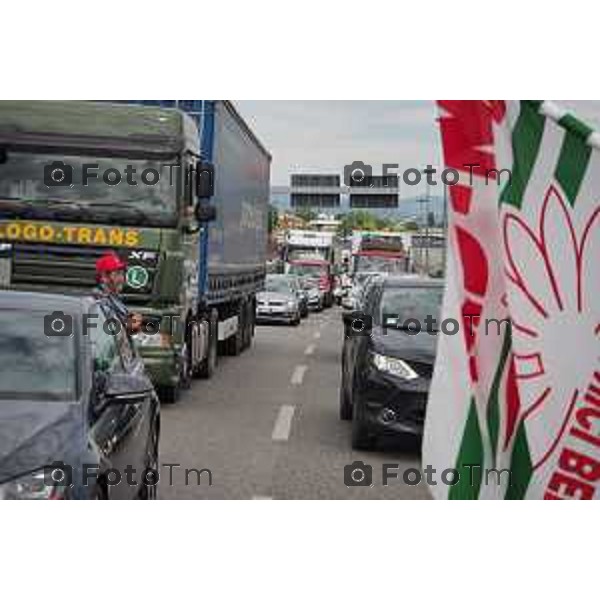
{"type": "Point", "coordinates": [424, 239]}
{"type": "Point", "coordinates": [426, 202]}
{"type": "Point", "coordinates": [445, 227]}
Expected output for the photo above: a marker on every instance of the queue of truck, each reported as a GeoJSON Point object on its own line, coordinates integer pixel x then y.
{"type": "Point", "coordinates": [174, 195]}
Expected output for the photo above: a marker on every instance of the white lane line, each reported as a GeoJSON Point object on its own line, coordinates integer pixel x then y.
{"type": "Point", "coordinates": [298, 375]}
{"type": "Point", "coordinates": [310, 349]}
{"type": "Point", "coordinates": [283, 424]}
{"type": "Point", "coordinates": [317, 335]}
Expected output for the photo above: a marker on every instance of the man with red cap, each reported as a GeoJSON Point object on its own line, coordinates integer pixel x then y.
{"type": "Point", "coordinates": [110, 278]}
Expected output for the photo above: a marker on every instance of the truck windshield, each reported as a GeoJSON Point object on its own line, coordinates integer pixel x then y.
{"type": "Point", "coordinates": [40, 187]}
{"type": "Point", "coordinates": [307, 270]}
{"type": "Point", "coordinates": [308, 254]}
{"type": "Point", "coordinates": [380, 264]}
{"type": "Point", "coordinates": [34, 366]}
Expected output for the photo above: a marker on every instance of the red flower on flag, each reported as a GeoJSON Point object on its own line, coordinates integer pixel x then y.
{"type": "Point", "coordinates": [554, 310]}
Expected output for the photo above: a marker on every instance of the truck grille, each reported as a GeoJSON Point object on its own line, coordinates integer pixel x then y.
{"type": "Point", "coordinates": [52, 265]}
{"type": "Point", "coordinates": [62, 266]}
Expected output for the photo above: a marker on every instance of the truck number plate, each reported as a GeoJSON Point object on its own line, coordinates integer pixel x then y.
{"type": "Point", "coordinates": [5, 272]}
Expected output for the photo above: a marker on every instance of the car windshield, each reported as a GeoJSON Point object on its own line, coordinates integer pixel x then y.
{"type": "Point", "coordinates": [34, 366]}
{"type": "Point", "coordinates": [380, 264]}
{"type": "Point", "coordinates": [407, 302]}
{"type": "Point", "coordinates": [24, 179]}
{"type": "Point", "coordinates": [279, 285]}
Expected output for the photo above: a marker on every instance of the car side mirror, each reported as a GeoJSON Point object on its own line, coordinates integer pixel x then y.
{"type": "Point", "coordinates": [205, 180]}
{"type": "Point", "coordinates": [123, 388]}
{"type": "Point", "coordinates": [205, 212]}
{"type": "Point", "coordinates": [348, 317]}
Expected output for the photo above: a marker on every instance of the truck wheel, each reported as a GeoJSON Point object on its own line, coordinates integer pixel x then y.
{"type": "Point", "coordinates": [248, 325]}
{"type": "Point", "coordinates": [252, 319]}
{"type": "Point", "coordinates": [209, 365]}
{"type": "Point", "coordinates": [193, 339]}
{"type": "Point", "coordinates": [234, 345]}
{"type": "Point", "coordinates": [185, 375]}
{"type": "Point", "coordinates": [345, 403]}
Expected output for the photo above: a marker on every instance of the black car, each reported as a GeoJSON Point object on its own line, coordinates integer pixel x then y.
{"type": "Point", "coordinates": [387, 364]}
{"type": "Point", "coordinates": [79, 418]}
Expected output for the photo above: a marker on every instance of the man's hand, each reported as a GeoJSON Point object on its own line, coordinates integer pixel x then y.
{"type": "Point", "coordinates": [134, 323]}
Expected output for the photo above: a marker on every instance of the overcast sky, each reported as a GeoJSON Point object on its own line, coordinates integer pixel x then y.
{"type": "Point", "coordinates": [324, 135]}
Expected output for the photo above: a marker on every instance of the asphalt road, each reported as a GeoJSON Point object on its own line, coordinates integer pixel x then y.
{"type": "Point", "coordinates": [266, 426]}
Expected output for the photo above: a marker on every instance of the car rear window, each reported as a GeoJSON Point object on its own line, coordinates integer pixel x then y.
{"type": "Point", "coordinates": [410, 302]}
{"type": "Point", "coordinates": [278, 285]}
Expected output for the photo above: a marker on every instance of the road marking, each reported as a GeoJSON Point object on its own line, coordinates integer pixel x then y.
{"type": "Point", "coordinates": [310, 349]}
{"type": "Point", "coordinates": [283, 424]}
{"type": "Point", "coordinates": [317, 335]}
{"type": "Point", "coordinates": [262, 498]}
{"type": "Point", "coordinates": [298, 375]}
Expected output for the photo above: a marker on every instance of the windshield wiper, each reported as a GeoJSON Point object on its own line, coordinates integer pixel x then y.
{"type": "Point", "coordinates": [139, 215]}
{"type": "Point", "coordinates": [26, 207]}
{"type": "Point", "coordinates": [13, 207]}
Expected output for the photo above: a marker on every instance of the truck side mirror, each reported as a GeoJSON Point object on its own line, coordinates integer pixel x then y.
{"type": "Point", "coordinates": [205, 211]}
{"type": "Point", "coordinates": [205, 180]}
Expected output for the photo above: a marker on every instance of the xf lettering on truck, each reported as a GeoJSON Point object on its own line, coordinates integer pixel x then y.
{"type": "Point", "coordinates": [69, 234]}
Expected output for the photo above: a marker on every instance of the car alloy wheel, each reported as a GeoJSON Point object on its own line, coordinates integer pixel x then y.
{"type": "Point", "coordinates": [345, 404]}
{"type": "Point", "coordinates": [150, 492]}
{"type": "Point", "coordinates": [362, 438]}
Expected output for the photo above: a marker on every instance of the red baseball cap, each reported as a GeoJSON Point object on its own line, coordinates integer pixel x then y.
{"type": "Point", "coordinates": [109, 262]}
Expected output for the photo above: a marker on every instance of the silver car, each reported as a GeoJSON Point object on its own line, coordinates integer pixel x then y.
{"type": "Point", "coordinates": [279, 302]}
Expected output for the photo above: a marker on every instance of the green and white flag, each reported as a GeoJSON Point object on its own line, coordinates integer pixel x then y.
{"type": "Point", "coordinates": [514, 406]}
